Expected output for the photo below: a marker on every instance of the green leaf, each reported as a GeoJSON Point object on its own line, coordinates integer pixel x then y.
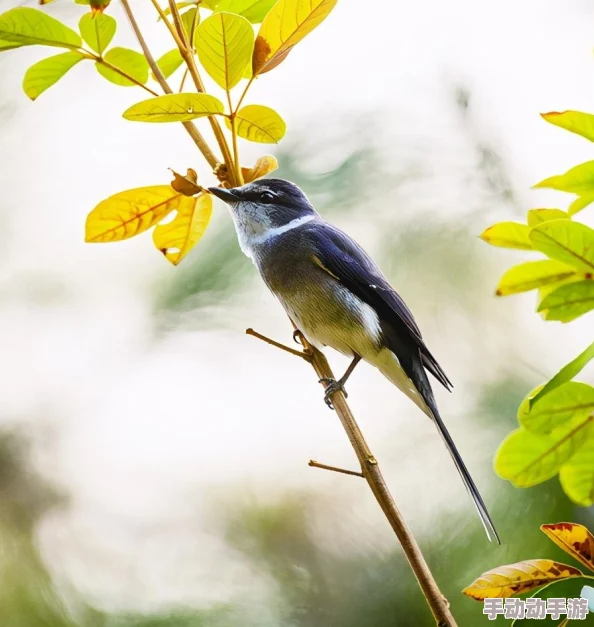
{"type": "Point", "coordinates": [97, 30]}
{"type": "Point", "coordinates": [570, 402]}
{"type": "Point", "coordinates": [27, 27]}
{"type": "Point", "coordinates": [526, 458]}
{"type": "Point", "coordinates": [574, 121]}
{"type": "Point", "coordinates": [569, 302]}
{"type": "Point", "coordinates": [577, 475]}
{"type": "Point", "coordinates": [169, 62]}
{"type": "Point", "coordinates": [566, 241]}
{"type": "Point", "coordinates": [537, 216]}
{"type": "Point", "coordinates": [580, 203]}
{"type": "Point", "coordinates": [8, 45]}
{"type": "Point", "coordinates": [286, 24]}
{"type": "Point", "coordinates": [191, 26]}
{"type": "Point", "coordinates": [253, 10]}
{"type": "Point", "coordinates": [578, 180]}
{"type": "Point", "coordinates": [174, 108]}
{"type": "Point", "coordinates": [567, 373]}
{"type": "Point", "coordinates": [128, 61]}
{"type": "Point", "coordinates": [47, 72]}
{"type": "Point", "coordinates": [508, 235]}
{"type": "Point", "coordinates": [225, 43]}
{"type": "Point", "coordinates": [532, 274]}
{"type": "Point", "coordinates": [259, 124]}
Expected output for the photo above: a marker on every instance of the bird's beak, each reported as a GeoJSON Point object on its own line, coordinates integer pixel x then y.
{"type": "Point", "coordinates": [224, 194]}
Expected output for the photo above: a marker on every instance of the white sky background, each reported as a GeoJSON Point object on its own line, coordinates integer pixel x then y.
{"type": "Point", "coordinates": [145, 434]}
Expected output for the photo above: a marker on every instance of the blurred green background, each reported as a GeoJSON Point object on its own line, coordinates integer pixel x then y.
{"type": "Point", "coordinates": [153, 459]}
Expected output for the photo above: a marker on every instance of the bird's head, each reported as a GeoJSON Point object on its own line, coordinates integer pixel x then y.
{"type": "Point", "coordinates": [263, 207]}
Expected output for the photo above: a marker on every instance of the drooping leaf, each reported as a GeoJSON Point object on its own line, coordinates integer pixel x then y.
{"type": "Point", "coordinates": [571, 402]}
{"type": "Point", "coordinates": [577, 475]}
{"type": "Point", "coordinates": [286, 24]}
{"type": "Point", "coordinates": [532, 274]}
{"type": "Point", "coordinates": [508, 235]}
{"type": "Point", "coordinates": [27, 27]}
{"type": "Point", "coordinates": [45, 73]}
{"type": "Point", "coordinates": [526, 458]}
{"type": "Point", "coordinates": [578, 180]}
{"type": "Point", "coordinates": [580, 203]}
{"type": "Point", "coordinates": [174, 108]}
{"type": "Point", "coordinates": [574, 121]}
{"type": "Point", "coordinates": [567, 373]}
{"type": "Point", "coordinates": [568, 302]}
{"type": "Point", "coordinates": [566, 241]}
{"type": "Point", "coordinates": [225, 43]}
{"type": "Point", "coordinates": [169, 62]}
{"type": "Point", "coordinates": [263, 166]}
{"type": "Point", "coordinates": [259, 124]}
{"type": "Point", "coordinates": [129, 213]}
{"type": "Point", "coordinates": [536, 216]}
{"type": "Point", "coordinates": [178, 237]}
{"type": "Point", "coordinates": [129, 62]}
{"type": "Point", "coordinates": [186, 185]}
{"type": "Point", "coordinates": [512, 579]}
{"type": "Point", "coordinates": [97, 30]}
{"type": "Point", "coordinates": [253, 10]}
{"type": "Point", "coordinates": [573, 539]}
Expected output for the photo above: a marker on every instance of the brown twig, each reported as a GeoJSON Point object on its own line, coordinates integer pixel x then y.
{"type": "Point", "coordinates": [193, 132]}
{"type": "Point", "coordinates": [288, 349]}
{"type": "Point", "coordinates": [371, 472]}
{"type": "Point", "coordinates": [315, 464]}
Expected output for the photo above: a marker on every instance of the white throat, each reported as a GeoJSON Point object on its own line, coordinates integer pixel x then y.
{"type": "Point", "coordinates": [247, 242]}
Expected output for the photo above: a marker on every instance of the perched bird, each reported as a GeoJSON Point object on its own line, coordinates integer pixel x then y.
{"type": "Point", "coordinates": [337, 296]}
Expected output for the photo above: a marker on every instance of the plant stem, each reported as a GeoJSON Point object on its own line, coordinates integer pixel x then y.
{"type": "Point", "coordinates": [193, 132]}
{"type": "Point", "coordinates": [187, 54]}
{"type": "Point", "coordinates": [371, 472]}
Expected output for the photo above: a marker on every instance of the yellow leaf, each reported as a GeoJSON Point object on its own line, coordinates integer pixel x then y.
{"type": "Point", "coordinates": [48, 72]}
{"type": "Point", "coordinates": [579, 180]}
{"type": "Point", "coordinates": [259, 124]}
{"type": "Point", "coordinates": [262, 167]}
{"type": "Point", "coordinates": [186, 185]}
{"type": "Point", "coordinates": [536, 216]}
{"type": "Point", "coordinates": [506, 581]}
{"type": "Point", "coordinates": [97, 29]}
{"type": "Point", "coordinates": [573, 539]}
{"type": "Point", "coordinates": [224, 43]}
{"type": "Point", "coordinates": [174, 108]}
{"type": "Point", "coordinates": [169, 62]}
{"type": "Point", "coordinates": [178, 237]}
{"type": "Point", "coordinates": [581, 202]}
{"type": "Point", "coordinates": [566, 241]}
{"type": "Point", "coordinates": [286, 24]}
{"type": "Point", "coordinates": [568, 302]}
{"type": "Point", "coordinates": [128, 61]}
{"type": "Point", "coordinates": [131, 212]}
{"type": "Point", "coordinates": [574, 121]}
{"type": "Point", "coordinates": [532, 274]}
{"type": "Point", "coordinates": [508, 235]}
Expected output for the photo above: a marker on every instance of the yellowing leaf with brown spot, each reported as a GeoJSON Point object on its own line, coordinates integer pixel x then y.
{"type": "Point", "coordinates": [259, 124]}
{"type": "Point", "coordinates": [225, 43]}
{"type": "Point", "coordinates": [508, 235]}
{"type": "Point", "coordinates": [262, 167]}
{"type": "Point", "coordinates": [176, 239]}
{"type": "Point", "coordinates": [573, 539]}
{"type": "Point", "coordinates": [512, 579]}
{"type": "Point", "coordinates": [129, 213]}
{"type": "Point", "coordinates": [286, 24]}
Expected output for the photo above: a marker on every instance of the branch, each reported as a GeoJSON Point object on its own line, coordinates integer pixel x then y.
{"type": "Point", "coordinates": [370, 470]}
{"type": "Point", "coordinates": [278, 345]}
{"type": "Point", "coordinates": [315, 464]}
{"type": "Point", "coordinates": [194, 133]}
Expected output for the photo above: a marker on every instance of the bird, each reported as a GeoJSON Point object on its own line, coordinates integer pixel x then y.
{"type": "Point", "coordinates": [336, 296]}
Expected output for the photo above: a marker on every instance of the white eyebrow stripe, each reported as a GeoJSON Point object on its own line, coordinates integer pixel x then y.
{"type": "Point", "coordinates": [279, 230]}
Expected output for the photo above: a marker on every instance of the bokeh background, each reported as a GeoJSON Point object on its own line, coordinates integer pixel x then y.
{"type": "Point", "coordinates": [153, 458]}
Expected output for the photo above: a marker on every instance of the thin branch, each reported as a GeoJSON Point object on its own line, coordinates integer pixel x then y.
{"type": "Point", "coordinates": [315, 464]}
{"type": "Point", "coordinates": [187, 54]}
{"type": "Point", "coordinates": [194, 133]}
{"type": "Point", "coordinates": [288, 349]}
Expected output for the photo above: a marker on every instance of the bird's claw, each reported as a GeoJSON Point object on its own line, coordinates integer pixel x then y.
{"type": "Point", "coordinates": [332, 386]}
{"type": "Point", "coordinates": [297, 335]}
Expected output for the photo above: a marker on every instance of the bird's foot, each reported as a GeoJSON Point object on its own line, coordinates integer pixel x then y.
{"type": "Point", "coordinates": [298, 337]}
{"type": "Point", "coordinates": [332, 386]}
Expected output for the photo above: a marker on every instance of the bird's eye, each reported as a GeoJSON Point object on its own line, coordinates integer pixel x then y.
{"type": "Point", "coordinates": [268, 196]}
